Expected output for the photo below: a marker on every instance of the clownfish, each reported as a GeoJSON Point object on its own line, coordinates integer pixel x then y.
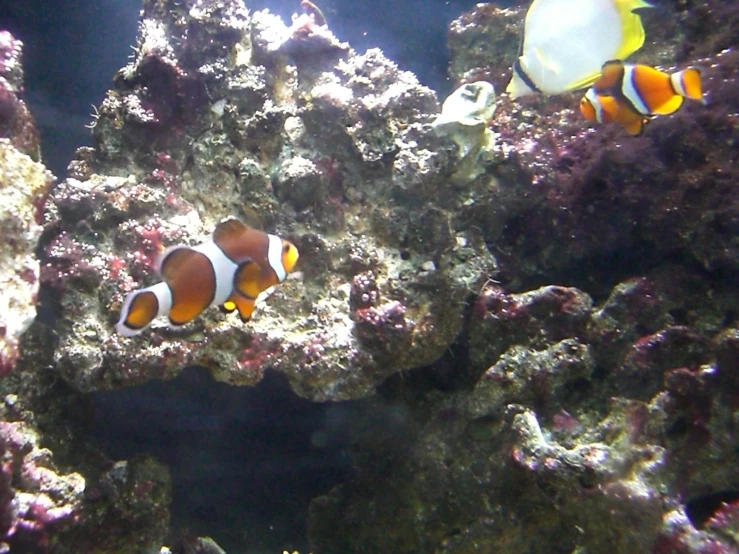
{"type": "Point", "coordinates": [231, 269]}
{"type": "Point", "coordinates": [632, 94]}
{"type": "Point", "coordinates": [566, 42]}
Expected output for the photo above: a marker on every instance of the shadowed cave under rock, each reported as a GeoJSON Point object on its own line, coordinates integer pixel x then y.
{"type": "Point", "coordinates": [245, 462]}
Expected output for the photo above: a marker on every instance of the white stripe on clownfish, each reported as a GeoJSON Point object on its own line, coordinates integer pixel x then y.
{"type": "Point", "coordinates": [274, 256]}
{"type": "Point", "coordinates": [676, 80]}
{"type": "Point", "coordinates": [630, 91]}
{"type": "Point", "coordinates": [592, 97]}
{"type": "Point", "coordinates": [195, 278]}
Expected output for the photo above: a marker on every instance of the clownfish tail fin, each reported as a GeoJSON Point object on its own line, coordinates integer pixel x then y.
{"type": "Point", "coordinates": [687, 83]}
{"type": "Point", "coordinates": [142, 307]}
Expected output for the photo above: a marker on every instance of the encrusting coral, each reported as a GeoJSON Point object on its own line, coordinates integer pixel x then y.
{"type": "Point", "coordinates": [235, 114]}
{"type": "Point", "coordinates": [554, 332]}
{"type": "Point", "coordinates": [24, 187]}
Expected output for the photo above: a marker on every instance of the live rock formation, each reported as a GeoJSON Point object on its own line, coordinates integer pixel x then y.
{"type": "Point", "coordinates": [542, 348]}
{"type": "Point", "coordinates": [226, 113]}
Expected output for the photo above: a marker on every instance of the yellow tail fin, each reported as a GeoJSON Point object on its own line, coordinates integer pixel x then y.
{"type": "Point", "coordinates": [632, 37]}
{"type": "Point", "coordinates": [691, 81]}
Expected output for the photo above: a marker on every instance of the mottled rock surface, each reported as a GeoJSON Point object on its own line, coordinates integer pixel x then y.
{"type": "Point", "coordinates": [56, 494]}
{"type": "Point", "coordinates": [16, 122]}
{"type": "Point", "coordinates": [557, 339]}
{"type": "Point", "coordinates": [590, 405]}
{"type": "Point", "coordinates": [24, 187]}
{"type": "Point", "coordinates": [59, 495]}
{"type": "Point", "coordinates": [602, 204]}
{"type": "Point", "coordinates": [226, 113]}
{"type": "Point", "coordinates": [588, 427]}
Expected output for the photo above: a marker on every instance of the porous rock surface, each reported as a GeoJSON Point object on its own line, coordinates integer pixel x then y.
{"type": "Point", "coordinates": [586, 427]}
{"type": "Point", "coordinates": [24, 186]}
{"type": "Point", "coordinates": [56, 494]}
{"type": "Point", "coordinates": [599, 421]}
{"type": "Point", "coordinates": [589, 403]}
{"type": "Point", "coordinates": [227, 113]}
{"type": "Point", "coordinates": [601, 202]}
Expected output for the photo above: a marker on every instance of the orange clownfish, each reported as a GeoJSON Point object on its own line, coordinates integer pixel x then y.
{"type": "Point", "coordinates": [230, 270]}
{"type": "Point", "coordinates": [631, 94]}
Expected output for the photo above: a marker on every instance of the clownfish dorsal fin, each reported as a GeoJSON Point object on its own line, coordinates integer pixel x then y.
{"type": "Point", "coordinates": [611, 78]}
{"type": "Point", "coordinates": [247, 279]}
{"type": "Point", "coordinates": [227, 229]}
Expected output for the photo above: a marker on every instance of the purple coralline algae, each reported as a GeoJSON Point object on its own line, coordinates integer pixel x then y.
{"type": "Point", "coordinates": [601, 197]}
{"type": "Point", "coordinates": [585, 422]}
{"type": "Point", "coordinates": [24, 187]}
{"type": "Point", "coordinates": [223, 113]}
{"type": "Point", "coordinates": [577, 285]}
{"type": "Point", "coordinates": [16, 122]}
{"type": "Point", "coordinates": [121, 508]}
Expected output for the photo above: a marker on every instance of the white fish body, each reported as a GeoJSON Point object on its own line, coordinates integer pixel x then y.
{"type": "Point", "coordinates": [566, 43]}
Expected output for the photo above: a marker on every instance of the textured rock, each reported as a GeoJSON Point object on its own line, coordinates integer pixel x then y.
{"type": "Point", "coordinates": [588, 402]}
{"type": "Point", "coordinates": [589, 426]}
{"type": "Point", "coordinates": [283, 125]}
{"type": "Point", "coordinates": [37, 502]}
{"type": "Point", "coordinates": [16, 123]}
{"type": "Point", "coordinates": [57, 494]}
{"type": "Point", "coordinates": [24, 187]}
{"type": "Point", "coordinates": [598, 202]}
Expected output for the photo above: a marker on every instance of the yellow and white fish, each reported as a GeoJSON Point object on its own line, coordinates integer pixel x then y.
{"type": "Point", "coordinates": [230, 270]}
{"type": "Point", "coordinates": [566, 42]}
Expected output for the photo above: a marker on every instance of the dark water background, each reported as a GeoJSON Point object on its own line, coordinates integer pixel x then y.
{"type": "Point", "coordinates": [73, 49]}
{"type": "Point", "coordinates": [245, 462]}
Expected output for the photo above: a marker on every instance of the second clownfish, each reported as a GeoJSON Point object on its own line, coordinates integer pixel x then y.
{"type": "Point", "coordinates": [632, 94]}
{"type": "Point", "coordinates": [230, 270]}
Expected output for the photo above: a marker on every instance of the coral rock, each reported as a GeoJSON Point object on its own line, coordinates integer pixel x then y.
{"type": "Point", "coordinates": [24, 186]}
{"type": "Point", "coordinates": [224, 113]}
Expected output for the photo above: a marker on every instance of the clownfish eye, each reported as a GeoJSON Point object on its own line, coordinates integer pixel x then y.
{"type": "Point", "coordinates": [286, 249]}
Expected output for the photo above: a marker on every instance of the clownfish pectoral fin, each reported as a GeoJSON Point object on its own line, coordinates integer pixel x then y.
{"type": "Point", "coordinates": [244, 305]}
{"type": "Point", "coordinates": [611, 77]}
{"type": "Point", "coordinates": [636, 127]}
{"type": "Point", "coordinates": [247, 279]}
